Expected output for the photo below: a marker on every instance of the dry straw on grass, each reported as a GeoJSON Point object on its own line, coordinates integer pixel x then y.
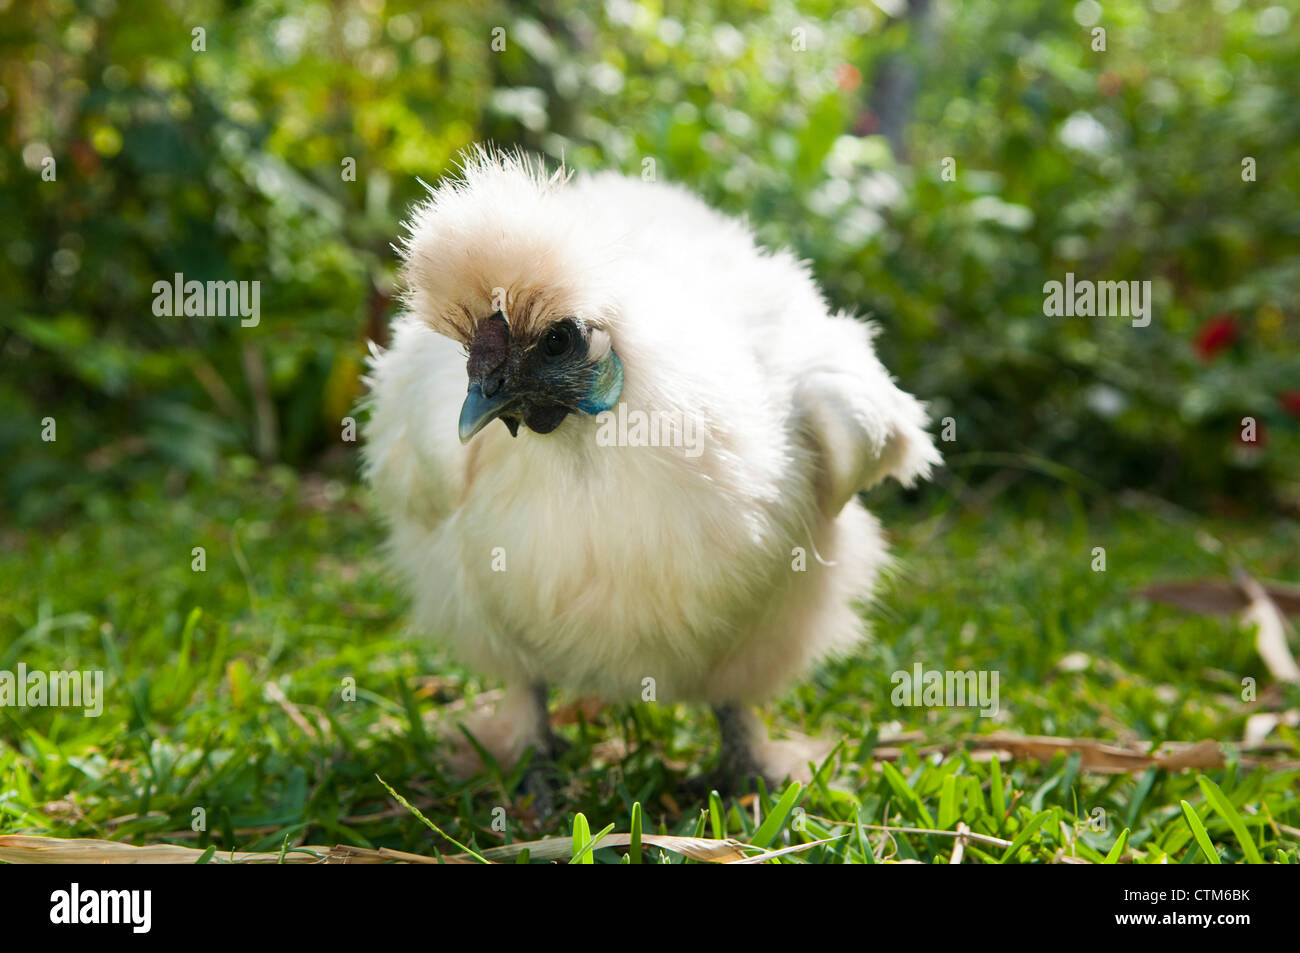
{"type": "Point", "coordinates": [28, 849]}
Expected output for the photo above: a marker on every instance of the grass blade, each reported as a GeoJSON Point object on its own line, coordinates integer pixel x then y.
{"type": "Point", "coordinates": [1026, 832]}
{"type": "Point", "coordinates": [905, 792]}
{"type": "Point", "coordinates": [584, 856]}
{"type": "Point", "coordinates": [771, 825]}
{"type": "Point", "coordinates": [996, 795]}
{"type": "Point", "coordinates": [1219, 801]}
{"type": "Point", "coordinates": [581, 841]}
{"type": "Point", "coordinates": [634, 846]}
{"type": "Point", "coordinates": [429, 824]}
{"type": "Point", "coordinates": [1118, 850]}
{"type": "Point", "coordinates": [717, 820]}
{"type": "Point", "coordinates": [868, 854]}
{"type": "Point", "coordinates": [1199, 832]}
{"type": "Point", "coordinates": [948, 803]}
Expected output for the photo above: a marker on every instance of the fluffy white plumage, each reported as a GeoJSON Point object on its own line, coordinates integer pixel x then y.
{"type": "Point", "coordinates": [624, 563]}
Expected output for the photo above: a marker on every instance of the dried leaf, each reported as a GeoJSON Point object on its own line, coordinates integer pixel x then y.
{"type": "Point", "coordinates": [794, 849]}
{"type": "Point", "coordinates": [959, 848]}
{"type": "Point", "coordinates": [561, 848]}
{"type": "Point", "coordinates": [1270, 640]}
{"type": "Point", "coordinates": [1108, 758]}
{"type": "Point", "coordinates": [1261, 724]}
{"type": "Point", "coordinates": [30, 849]}
{"type": "Point", "coordinates": [1102, 757]}
{"type": "Point", "coordinates": [1210, 596]}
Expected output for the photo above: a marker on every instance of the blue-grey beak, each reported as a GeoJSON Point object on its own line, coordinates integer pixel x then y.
{"type": "Point", "coordinates": [479, 410]}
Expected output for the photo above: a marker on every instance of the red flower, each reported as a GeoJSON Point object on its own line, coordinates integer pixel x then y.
{"type": "Point", "coordinates": [848, 77]}
{"type": "Point", "coordinates": [1289, 400]}
{"type": "Point", "coordinates": [1216, 335]}
{"type": "Point", "coordinates": [84, 156]}
{"type": "Point", "coordinates": [866, 124]}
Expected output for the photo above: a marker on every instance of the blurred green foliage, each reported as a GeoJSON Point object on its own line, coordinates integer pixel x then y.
{"type": "Point", "coordinates": [227, 163]}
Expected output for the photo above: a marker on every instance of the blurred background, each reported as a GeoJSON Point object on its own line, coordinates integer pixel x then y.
{"type": "Point", "coordinates": [222, 153]}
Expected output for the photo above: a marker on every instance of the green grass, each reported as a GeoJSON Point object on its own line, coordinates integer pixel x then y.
{"type": "Point", "coordinates": [295, 594]}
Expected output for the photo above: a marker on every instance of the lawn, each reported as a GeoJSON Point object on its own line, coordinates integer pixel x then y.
{"type": "Point", "coordinates": [259, 702]}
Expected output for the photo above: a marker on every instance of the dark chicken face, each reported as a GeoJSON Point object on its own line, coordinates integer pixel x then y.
{"type": "Point", "coordinates": [536, 382]}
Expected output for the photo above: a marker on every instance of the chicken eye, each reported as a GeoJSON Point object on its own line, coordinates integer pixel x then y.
{"type": "Point", "coordinates": [558, 340]}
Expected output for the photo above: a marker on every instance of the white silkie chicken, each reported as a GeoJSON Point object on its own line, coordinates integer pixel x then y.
{"type": "Point", "coordinates": [607, 427]}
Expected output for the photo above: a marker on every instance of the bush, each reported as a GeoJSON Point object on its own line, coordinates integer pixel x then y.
{"type": "Point", "coordinates": [828, 128]}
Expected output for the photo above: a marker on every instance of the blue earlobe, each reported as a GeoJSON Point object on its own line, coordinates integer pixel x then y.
{"type": "Point", "coordinates": [606, 385]}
